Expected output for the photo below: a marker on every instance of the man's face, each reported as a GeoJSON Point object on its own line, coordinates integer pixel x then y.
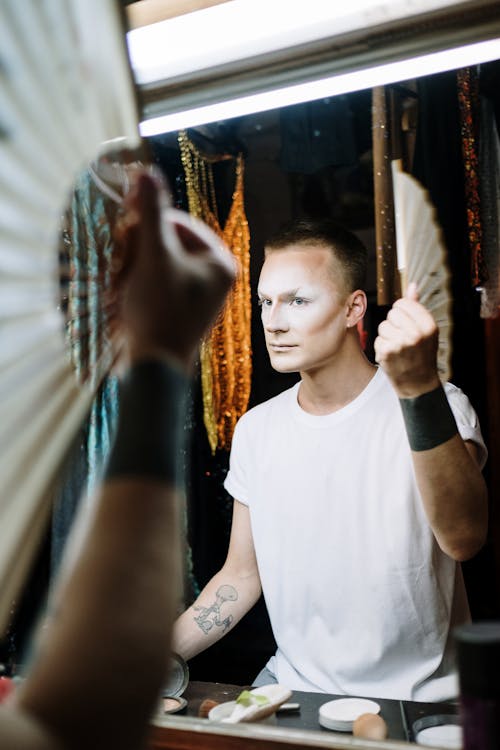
{"type": "Point", "coordinates": [303, 307]}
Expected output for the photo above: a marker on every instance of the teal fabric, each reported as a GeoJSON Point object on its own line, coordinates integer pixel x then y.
{"type": "Point", "coordinates": [86, 248]}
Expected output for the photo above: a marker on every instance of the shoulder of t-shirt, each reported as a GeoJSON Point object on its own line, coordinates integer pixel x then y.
{"type": "Point", "coordinates": [265, 408]}
{"type": "Point", "coordinates": [467, 419]}
{"type": "Point", "coordinates": [460, 403]}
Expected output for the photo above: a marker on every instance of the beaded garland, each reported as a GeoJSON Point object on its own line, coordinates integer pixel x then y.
{"type": "Point", "coordinates": [226, 353]}
{"type": "Point", "coordinates": [468, 97]}
{"type": "Point", "coordinates": [388, 281]}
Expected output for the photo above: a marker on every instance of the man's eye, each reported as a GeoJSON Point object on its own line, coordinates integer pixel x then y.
{"type": "Point", "coordinates": [298, 301]}
{"type": "Point", "coordinates": [263, 302]}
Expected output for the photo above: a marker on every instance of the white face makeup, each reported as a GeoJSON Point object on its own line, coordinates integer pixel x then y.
{"type": "Point", "coordinates": [304, 310]}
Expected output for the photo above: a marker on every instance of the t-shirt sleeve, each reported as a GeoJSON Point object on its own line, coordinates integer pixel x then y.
{"type": "Point", "coordinates": [236, 480]}
{"type": "Point", "coordinates": [466, 419]}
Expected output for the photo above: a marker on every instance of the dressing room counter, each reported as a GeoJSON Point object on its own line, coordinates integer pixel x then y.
{"type": "Point", "coordinates": [400, 717]}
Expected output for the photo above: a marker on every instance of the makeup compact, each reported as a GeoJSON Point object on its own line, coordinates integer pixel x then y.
{"type": "Point", "coordinates": [171, 701]}
{"type": "Point", "coordinates": [340, 714]}
{"type": "Point", "coordinates": [441, 730]}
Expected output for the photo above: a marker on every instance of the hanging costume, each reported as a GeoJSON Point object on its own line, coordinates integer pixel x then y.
{"type": "Point", "coordinates": [226, 354]}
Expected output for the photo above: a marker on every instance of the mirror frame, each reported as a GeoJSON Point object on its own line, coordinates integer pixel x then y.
{"type": "Point", "coordinates": [176, 733]}
{"type": "Point", "coordinates": [376, 43]}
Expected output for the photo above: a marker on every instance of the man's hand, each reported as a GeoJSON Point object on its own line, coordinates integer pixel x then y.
{"type": "Point", "coordinates": [170, 276]}
{"type": "Point", "coordinates": [406, 347]}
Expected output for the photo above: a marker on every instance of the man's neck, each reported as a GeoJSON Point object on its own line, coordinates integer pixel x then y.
{"type": "Point", "coordinates": [330, 388]}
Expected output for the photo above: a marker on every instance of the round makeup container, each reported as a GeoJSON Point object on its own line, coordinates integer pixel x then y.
{"type": "Point", "coordinates": [441, 730]}
{"type": "Point", "coordinates": [171, 701]}
{"type": "Point", "coordinates": [340, 714]}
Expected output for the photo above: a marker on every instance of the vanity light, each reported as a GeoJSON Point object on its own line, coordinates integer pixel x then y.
{"type": "Point", "coordinates": [240, 29]}
{"type": "Point", "coordinates": [343, 83]}
{"type": "Point", "coordinates": [246, 56]}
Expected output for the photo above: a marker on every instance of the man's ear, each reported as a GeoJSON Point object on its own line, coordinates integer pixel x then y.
{"type": "Point", "coordinates": [356, 308]}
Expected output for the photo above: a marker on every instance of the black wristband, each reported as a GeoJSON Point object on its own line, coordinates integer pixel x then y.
{"type": "Point", "coordinates": [150, 424]}
{"type": "Point", "coordinates": [428, 419]}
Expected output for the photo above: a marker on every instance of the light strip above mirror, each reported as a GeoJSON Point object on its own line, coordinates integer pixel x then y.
{"type": "Point", "coordinates": [325, 87]}
{"type": "Point", "coordinates": [246, 28]}
{"type": "Point", "coordinates": [249, 55]}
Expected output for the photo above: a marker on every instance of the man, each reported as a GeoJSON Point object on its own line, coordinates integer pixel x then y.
{"type": "Point", "coordinates": [355, 493]}
{"type": "Point", "coordinates": [97, 678]}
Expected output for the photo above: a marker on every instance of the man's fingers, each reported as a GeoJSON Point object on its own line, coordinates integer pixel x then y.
{"type": "Point", "coordinates": [412, 292]}
{"type": "Point", "coordinates": [123, 256]}
{"type": "Point", "coordinates": [401, 319]}
{"type": "Point", "coordinates": [143, 206]}
{"type": "Point", "coordinates": [397, 338]}
{"type": "Point", "coordinates": [147, 201]}
{"type": "Point", "coordinates": [419, 316]}
{"type": "Point", "coordinates": [195, 240]}
{"type": "Point", "coordinates": [190, 241]}
{"type": "Point", "coordinates": [382, 350]}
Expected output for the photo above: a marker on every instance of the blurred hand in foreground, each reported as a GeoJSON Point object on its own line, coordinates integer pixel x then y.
{"type": "Point", "coordinates": [170, 275]}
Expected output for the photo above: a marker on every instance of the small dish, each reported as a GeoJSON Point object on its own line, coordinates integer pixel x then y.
{"type": "Point", "coordinates": [223, 711]}
{"type": "Point", "coordinates": [258, 704]}
{"type": "Point", "coordinates": [340, 714]}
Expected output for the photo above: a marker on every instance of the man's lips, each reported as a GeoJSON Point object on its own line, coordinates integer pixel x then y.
{"type": "Point", "coordinates": [280, 347]}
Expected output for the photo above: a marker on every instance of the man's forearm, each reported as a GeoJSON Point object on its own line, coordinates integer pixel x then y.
{"type": "Point", "coordinates": [100, 667]}
{"type": "Point", "coordinates": [451, 484]}
{"type": "Point", "coordinates": [219, 607]}
{"type": "Point", "coordinates": [455, 497]}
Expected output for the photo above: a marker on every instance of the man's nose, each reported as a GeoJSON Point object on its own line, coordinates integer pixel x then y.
{"type": "Point", "coordinates": [276, 319]}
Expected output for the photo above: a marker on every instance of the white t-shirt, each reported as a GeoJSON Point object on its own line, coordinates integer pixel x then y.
{"type": "Point", "coordinates": [360, 597]}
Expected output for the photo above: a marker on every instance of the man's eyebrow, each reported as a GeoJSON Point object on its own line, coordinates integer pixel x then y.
{"type": "Point", "coordinates": [283, 295]}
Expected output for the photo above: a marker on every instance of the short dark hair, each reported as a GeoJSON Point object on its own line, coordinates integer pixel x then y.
{"type": "Point", "coordinates": [348, 250]}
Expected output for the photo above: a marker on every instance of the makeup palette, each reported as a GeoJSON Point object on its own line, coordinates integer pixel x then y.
{"type": "Point", "coordinates": [171, 701]}
{"type": "Point", "coordinates": [442, 730]}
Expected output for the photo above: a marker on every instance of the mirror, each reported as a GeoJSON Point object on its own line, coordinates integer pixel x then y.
{"type": "Point", "coordinates": [469, 331]}
{"type": "Point", "coordinates": [289, 192]}
{"type": "Point", "coordinates": [273, 194]}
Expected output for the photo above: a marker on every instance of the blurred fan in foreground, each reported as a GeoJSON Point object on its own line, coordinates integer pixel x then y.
{"type": "Point", "coordinates": [97, 676]}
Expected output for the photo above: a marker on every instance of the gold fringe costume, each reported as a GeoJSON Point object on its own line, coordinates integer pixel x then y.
{"type": "Point", "coordinates": [226, 352]}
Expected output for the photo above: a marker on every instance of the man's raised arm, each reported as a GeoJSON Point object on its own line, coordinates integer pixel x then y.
{"type": "Point", "coordinates": [449, 478]}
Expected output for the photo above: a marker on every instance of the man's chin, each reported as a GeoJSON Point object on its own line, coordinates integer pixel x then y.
{"type": "Point", "coordinates": [280, 365]}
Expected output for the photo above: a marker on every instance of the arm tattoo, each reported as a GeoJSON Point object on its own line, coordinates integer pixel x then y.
{"type": "Point", "coordinates": [211, 616]}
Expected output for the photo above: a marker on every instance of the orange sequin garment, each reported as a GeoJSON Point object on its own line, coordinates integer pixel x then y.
{"type": "Point", "coordinates": [226, 353]}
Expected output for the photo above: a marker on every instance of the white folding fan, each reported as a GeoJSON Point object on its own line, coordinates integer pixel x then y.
{"type": "Point", "coordinates": [421, 256]}
{"type": "Point", "coordinates": [66, 87]}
